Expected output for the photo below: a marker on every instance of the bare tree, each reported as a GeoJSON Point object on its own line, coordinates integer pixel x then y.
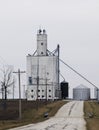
{"type": "Point", "coordinates": [13, 88]}
{"type": "Point", "coordinates": [6, 81]}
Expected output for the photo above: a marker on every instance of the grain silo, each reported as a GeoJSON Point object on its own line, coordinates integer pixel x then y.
{"type": "Point", "coordinates": [64, 89]}
{"type": "Point", "coordinates": [43, 71]}
{"type": "Point", "coordinates": [98, 94]}
{"type": "Point", "coordinates": [81, 92]}
{"type": "Point", "coordinates": [93, 93]}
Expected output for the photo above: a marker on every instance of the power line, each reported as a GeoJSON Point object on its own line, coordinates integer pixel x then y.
{"type": "Point", "coordinates": [62, 76]}
{"type": "Point", "coordinates": [78, 73]}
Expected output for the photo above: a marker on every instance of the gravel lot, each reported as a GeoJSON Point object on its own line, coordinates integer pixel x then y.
{"type": "Point", "coordinates": [69, 117]}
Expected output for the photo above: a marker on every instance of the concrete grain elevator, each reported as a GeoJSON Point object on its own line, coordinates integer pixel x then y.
{"type": "Point", "coordinates": [43, 71]}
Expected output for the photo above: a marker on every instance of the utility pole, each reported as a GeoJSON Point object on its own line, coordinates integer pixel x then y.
{"type": "Point", "coordinates": [37, 79]}
{"type": "Point", "coordinates": [20, 105]}
{"type": "Point", "coordinates": [46, 89]}
{"type": "Point", "coordinates": [13, 87]}
{"type": "Point", "coordinates": [58, 49]}
{"type": "Point", "coordinates": [46, 83]}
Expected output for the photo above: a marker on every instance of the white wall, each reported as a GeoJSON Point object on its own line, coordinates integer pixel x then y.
{"type": "Point", "coordinates": [48, 70]}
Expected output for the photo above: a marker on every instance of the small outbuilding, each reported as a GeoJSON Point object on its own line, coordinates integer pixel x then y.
{"type": "Point", "coordinates": [81, 92]}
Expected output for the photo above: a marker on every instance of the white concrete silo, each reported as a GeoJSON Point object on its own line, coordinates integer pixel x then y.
{"type": "Point", "coordinates": [81, 92]}
{"type": "Point", "coordinates": [43, 71]}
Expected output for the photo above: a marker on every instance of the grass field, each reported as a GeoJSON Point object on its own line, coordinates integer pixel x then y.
{"type": "Point", "coordinates": [91, 109]}
{"type": "Point", "coordinates": [30, 114]}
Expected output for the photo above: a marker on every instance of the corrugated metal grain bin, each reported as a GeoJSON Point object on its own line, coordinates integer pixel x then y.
{"type": "Point", "coordinates": [81, 93]}
{"type": "Point", "coordinates": [95, 93]}
{"type": "Point", "coordinates": [98, 94]}
{"type": "Point", "coordinates": [64, 89]}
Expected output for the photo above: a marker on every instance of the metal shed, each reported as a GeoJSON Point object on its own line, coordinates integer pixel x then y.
{"type": "Point", "coordinates": [81, 92]}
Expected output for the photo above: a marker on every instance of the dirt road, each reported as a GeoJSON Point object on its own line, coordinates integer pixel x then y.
{"type": "Point", "coordinates": [69, 117]}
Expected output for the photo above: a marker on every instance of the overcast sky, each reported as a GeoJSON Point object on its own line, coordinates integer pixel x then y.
{"type": "Point", "coordinates": [74, 24]}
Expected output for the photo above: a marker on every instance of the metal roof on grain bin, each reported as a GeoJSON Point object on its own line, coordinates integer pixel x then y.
{"type": "Point", "coordinates": [81, 92]}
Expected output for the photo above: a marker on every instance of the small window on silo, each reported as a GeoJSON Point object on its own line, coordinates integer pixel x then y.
{"type": "Point", "coordinates": [49, 90]}
{"type": "Point", "coordinates": [49, 95]}
{"type": "Point", "coordinates": [31, 96]}
{"type": "Point", "coordinates": [31, 90]}
{"type": "Point", "coordinates": [42, 90]}
{"type": "Point", "coordinates": [41, 52]}
{"type": "Point", "coordinates": [47, 73]}
{"type": "Point", "coordinates": [42, 96]}
{"type": "Point", "coordinates": [38, 90]}
{"type": "Point", "coordinates": [42, 43]}
{"type": "Point", "coordinates": [30, 80]}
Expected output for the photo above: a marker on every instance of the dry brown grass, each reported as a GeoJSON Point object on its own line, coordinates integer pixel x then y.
{"type": "Point", "coordinates": [32, 115]}
{"type": "Point", "coordinates": [92, 107]}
